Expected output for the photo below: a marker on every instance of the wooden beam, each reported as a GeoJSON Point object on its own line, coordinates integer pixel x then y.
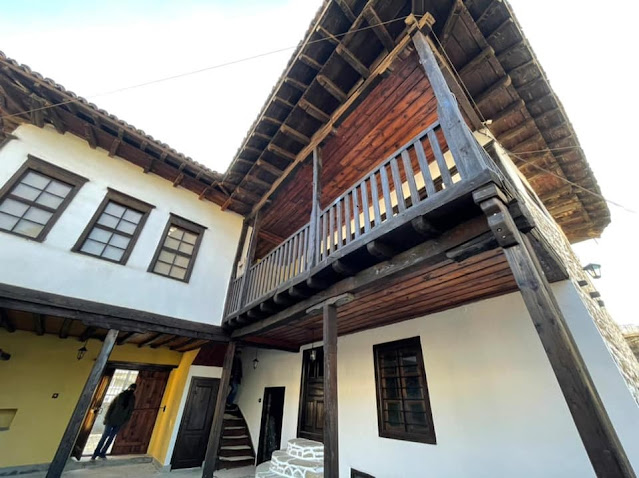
{"type": "Point", "coordinates": [313, 111]}
{"type": "Point", "coordinates": [327, 129]}
{"type": "Point", "coordinates": [250, 256]}
{"type": "Point", "coordinates": [308, 61]}
{"type": "Point", "coordinates": [270, 119]}
{"type": "Point", "coordinates": [81, 408]}
{"type": "Point", "coordinates": [498, 85]}
{"type": "Point", "coordinates": [348, 13]}
{"type": "Point", "coordinates": [186, 343]}
{"type": "Point", "coordinates": [89, 135]}
{"type": "Point", "coordinates": [327, 35]}
{"type": "Point", "coordinates": [257, 181]}
{"type": "Point", "coordinates": [268, 167]}
{"type": "Point", "coordinates": [516, 131]}
{"type": "Point", "coordinates": [476, 61]}
{"type": "Point", "coordinates": [298, 85]}
{"type": "Point", "coordinates": [296, 135]}
{"type": "Point", "coordinates": [125, 337]}
{"type": "Point", "coordinates": [331, 87]}
{"type": "Point", "coordinates": [378, 27]}
{"type": "Point", "coordinates": [159, 343]}
{"type": "Point", "coordinates": [597, 433]}
{"type": "Point", "coordinates": [313, 249]}
{"type": "Point", "coordinates": [451, 20]}
{"type": "Point", "coordinates": [64, 329]}
{"type": "Point", "coordinates": [331, 435]}
{"type": "Point", "coordinates": [150, 339]}
{"type": "Point", "coordinates": [103, 315]}
{"type": "Point", "coordinates": [281, 152]}
{"type": "Point", "coordinates": [38, 324]}
{"type": "Point", "coordinates": [87, 334]}
{"type": "Point", "coordinates": [353, 61]}
{"type": "Point", "coordinates": [6, 321]}
{"type": "Point", "coordinates": [115, 144]}
{"type": "Point", "coordinates": [516, 105]}
{"type": "Point", "coordinates": [283, 102]}
{"type": "Point", "coordinates": [210, 459]}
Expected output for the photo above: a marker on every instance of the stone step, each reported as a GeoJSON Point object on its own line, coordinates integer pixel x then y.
{"type": "Point", "coordinates": [235, 441]}
{"type": "Point", "coordinates": [305, 449]}
{"type": "Point", "coordinates": [234, 461]}
{"type": "Point", "coordinates": [239, 450]}
{"type": "Point", "coordinates": [290, 466]}
{"type": "Point", "coordinates": [234, 431]}
{"type": "Point", "coordinates": [264, 471]}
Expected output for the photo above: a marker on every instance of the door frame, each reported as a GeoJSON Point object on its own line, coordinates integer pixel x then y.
{"type": "Point", "coordinates": [98, 397]}
{"type": "Point", "coordinates": [262, 439]}
{"type": "Point", "coordinates": [192, 382]}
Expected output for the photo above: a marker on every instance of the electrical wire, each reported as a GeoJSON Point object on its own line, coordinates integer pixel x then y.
{"type": "Point", "coordinates": [198, 71]}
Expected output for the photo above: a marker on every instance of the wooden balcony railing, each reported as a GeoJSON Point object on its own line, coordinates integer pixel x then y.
{"type": "Point", "coordinates": [384, 198]}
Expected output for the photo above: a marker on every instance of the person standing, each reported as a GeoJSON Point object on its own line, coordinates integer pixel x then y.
{"type": "Point", "coordinates": [236, 378]}
{"type": "Point", "coordinates": [117, 415]}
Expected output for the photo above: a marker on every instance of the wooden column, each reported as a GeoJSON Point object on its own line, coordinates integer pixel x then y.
{"type": "Point", "coordinates": [250, 255]}
{"type": "Point", "coordinates": [213, 447]}
{"type": "Point", "coordinates": [331, 438]}
{"type": "Point", "coordinates": [81, 408]}
{"type": "Point", "coordinates": [597, 433]}
{"type": "Point", "coordinates": [463, 146]}
{"type": "Point", "coordinates": [316, 208]}
{"type": "Point", "coordinates": [236, 260]}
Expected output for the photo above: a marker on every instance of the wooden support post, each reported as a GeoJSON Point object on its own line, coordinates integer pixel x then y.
{"type": "Point", "coordinates": [313, 247]}
{"type": "Point", "coordinates": [73, 427]}
{"type": "Point", "coordinates": [331, 445]}
{"type": "Point", "coordinates": [236, 260]}
{"type": "Point", "coordinates": [597, 433]}
{"type": "Point", "coordinates": [463, 146]}
{"type": "Point", "coordinates": [249, 260]}
{"type": "Point", "coordinates": [210, 460]}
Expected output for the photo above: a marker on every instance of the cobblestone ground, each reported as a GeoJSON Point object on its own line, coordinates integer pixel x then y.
{"type": "Point", "coordinates": [146, 471]}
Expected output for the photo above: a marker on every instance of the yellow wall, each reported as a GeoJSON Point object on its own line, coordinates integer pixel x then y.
{"type": "Point", "coordinates": [165, 422]}
{"type": "Point", "coordinates": [40, 367]}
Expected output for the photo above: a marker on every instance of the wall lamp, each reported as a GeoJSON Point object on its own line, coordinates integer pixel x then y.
{"type": "Point", "coordinates": [594, 270]}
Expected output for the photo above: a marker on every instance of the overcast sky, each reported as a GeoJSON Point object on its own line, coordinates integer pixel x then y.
{"type": "Point", "coordinates": [93, 48]}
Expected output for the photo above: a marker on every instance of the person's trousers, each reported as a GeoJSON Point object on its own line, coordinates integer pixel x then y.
{"type": "Point", "coordinates": [105, 441]}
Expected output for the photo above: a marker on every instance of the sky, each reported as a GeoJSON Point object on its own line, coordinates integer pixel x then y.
{"type": "Point", "coordinates": [100, 49]}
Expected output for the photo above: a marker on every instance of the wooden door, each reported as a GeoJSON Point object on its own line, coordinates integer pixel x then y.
{"type": "Point", "coordinates": [311, 415]}
{"type": "Point", "coordinates": [135, 436]}
{"type": "Point", "coordinates": [94, 409]}
{"type": "Point", "coordinates": [190, 446]}
{"type": "Point", "coordinates": [271, 427]}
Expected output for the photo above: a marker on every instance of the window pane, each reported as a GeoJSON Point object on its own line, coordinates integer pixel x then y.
{"type": "Point", "coordinates": [408, 358]}
{"type": "Point", "coordinates": [388, 359]}
{"type": "Point", "coordinates": [166, 256]}
{"type": "Point", "coordinates": [28, 228]}
{"type": "Point", "coordinates": [100, 235]}
{"type": "Point", "coordinates": [393, 414]}
{"type": "Point", "coordinates": [133, 216]}
{"type": "Point", "coordinates": [411, 382]}
{"type": "Point", "coordinates": [172, 243]}
{"type": "Point", "coordinates": [38, 215]}
{"type": "Point", "coordinates": [13, 207]}
{"type": "Point", "coordinates": [119, 241]}
{"type": "Point", "coordinates": [36, 180]}
{"type": "Point", "coordinates": [92, 247]}
{"type": "Point", "coordinates": [26, 192]}
{"type": "Point", "coordinates": [115, 209]}
{"type": "Point", "coordinates": [126, 227]}
{"type": "Point", "coordinates": [108, 221]}
{"type": "Point", "coordinates": [58, 188]}
{"type": "Point", "coordinates": [49, 200]}
{"type": "Point", "coordinates": [186, 248]}
{"type": "Point", "coordinates": [178, 272]}
{"type": "Point", "coordinates": [113, 253]}
{"type": "Point", "coordinates": [413, 393]}
{"type": "Point", "coordinates": [176, 233]}
{"type": "Point", "coordinates": [189, 237]}
{"type": "Point", "coordinates": [7, 222]}
{"type": "Point", "coordinates": [182, 261]}
{"type": "Point", "coordinates": [162, 268]}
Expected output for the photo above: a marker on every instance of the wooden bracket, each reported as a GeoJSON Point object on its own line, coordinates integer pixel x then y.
{"type": "Point", "coordinates": [336, 301]}
{"type": "Point", "coordinates": [493, 202]}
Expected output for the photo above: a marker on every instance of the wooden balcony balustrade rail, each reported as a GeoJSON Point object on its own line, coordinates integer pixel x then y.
{"type": "Point", "coordinates": [380, 200]}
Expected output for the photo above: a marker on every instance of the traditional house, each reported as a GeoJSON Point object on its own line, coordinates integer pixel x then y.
{"type": "Point", "coordinates": [395, 234]}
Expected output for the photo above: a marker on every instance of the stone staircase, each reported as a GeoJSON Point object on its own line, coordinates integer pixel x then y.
{"type": "Point", "coordinates": [236, 449]}
{"type": "Point", "coordinates": [301, 459]}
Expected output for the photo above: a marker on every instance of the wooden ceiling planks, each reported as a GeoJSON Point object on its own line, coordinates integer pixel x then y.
{"type": "Point", "coordinates": [428, 290]}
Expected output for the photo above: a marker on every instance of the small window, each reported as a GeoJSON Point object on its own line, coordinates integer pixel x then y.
{"type": "Point", "coordinates": [177, 250]}
{"type": "Point", "coordinates": [403, 406]}
{"type": "Point", "coordinates": [35, 197]}
{"type": "Point", "coordinates": [114, 228]}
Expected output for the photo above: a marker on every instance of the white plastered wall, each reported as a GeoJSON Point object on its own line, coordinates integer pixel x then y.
{"type": "Point", "coordinates": [497, 407]}
{"type": "Point", "coordinates": [195, 371]}
{"type": "Point", "coordinates": [50, 266]}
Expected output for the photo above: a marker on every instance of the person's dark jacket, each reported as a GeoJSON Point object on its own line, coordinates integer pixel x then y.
{"type": "Point", "coordinates": [236, 370]}
{"type": "Point", "coordinates": [121, 409]}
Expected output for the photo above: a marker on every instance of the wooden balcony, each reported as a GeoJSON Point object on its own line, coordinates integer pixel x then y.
{"type": "Point", "coordinates": [411, 197]}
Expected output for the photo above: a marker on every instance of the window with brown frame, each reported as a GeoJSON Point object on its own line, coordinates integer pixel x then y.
{"type": "Point", "coordinates": [114, 228]}
{"type": "Point", "coordinates": [35, 197]}
{"type": "Point", "coordinates": [175, 255]}
{"type": "Point", "coordinates": [403, 406]}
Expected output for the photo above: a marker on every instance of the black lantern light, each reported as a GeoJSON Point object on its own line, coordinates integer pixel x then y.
{"type": "Point", "coordinates": [594, 270]}
{"type": "Point", "coordinates": [313, 354]}
{"type": "Point", "coordinates": [255, 360]}
{"type": "Point", "coordinates": [82, 351]}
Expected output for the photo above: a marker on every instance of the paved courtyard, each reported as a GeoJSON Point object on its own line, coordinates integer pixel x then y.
{"type": "Point", "coordinates": [146, 470]}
